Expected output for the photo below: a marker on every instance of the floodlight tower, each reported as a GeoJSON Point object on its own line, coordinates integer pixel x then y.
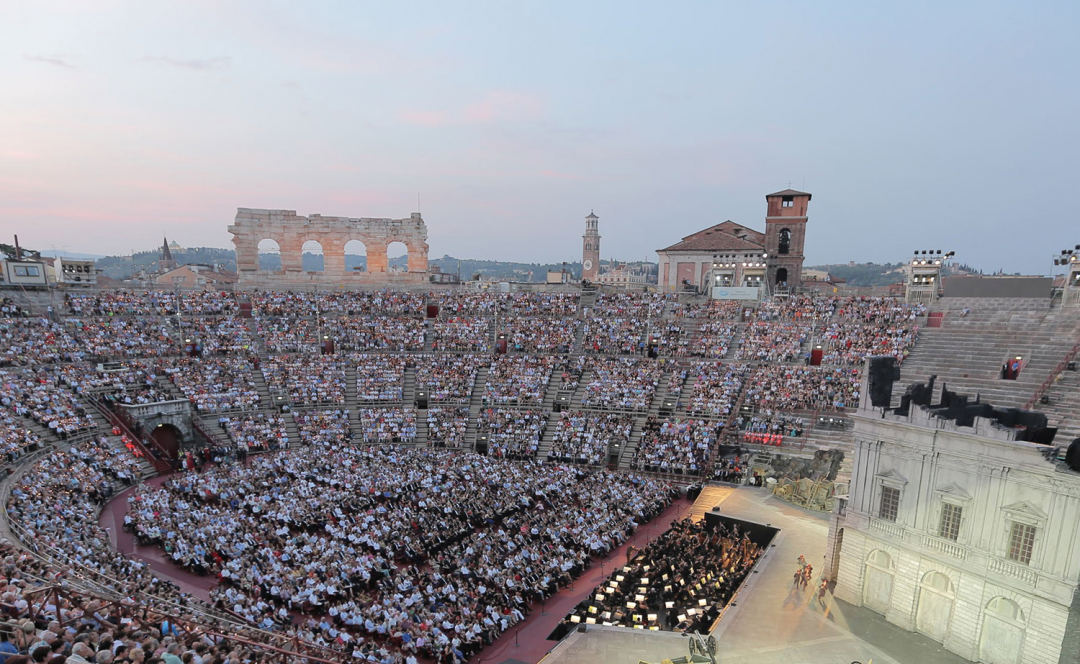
{"type": "Point", "coordinates": [924, 276]}
{"type": "Point", "coordinates": [1070, 292]}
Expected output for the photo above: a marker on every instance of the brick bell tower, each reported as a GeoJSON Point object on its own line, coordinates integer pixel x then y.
{"type": "Point", "coordinates": [590, 248]}
{"type": "Point", "coordinates": [785, 233]}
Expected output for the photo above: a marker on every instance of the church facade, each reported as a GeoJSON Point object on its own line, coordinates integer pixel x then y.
{"type": "Point", "coordinates": [730, 254]}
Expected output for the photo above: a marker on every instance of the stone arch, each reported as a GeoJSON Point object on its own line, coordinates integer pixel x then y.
{"type": "Point", "coordinates": [394, 250]}
{"type": "Point", "coordinates": [269, 257]}
{"type": "Point", "coordinates": [1002, 639]}
{"type": "Point", "coordinates": [168, 437]}
{"type": "Point", "coordinates": [785, 241]}
{"type": "Point", "coordinates": [933, 614]}
{"type": "Point", "coordinates": [878, 581]}
{"type": "Point", "coordinates": [312, 256]}
{"type": "Point", "coordinates": [781, 275]}
{"type": "Point", "coordinates": [355, 256]}
{"type": "Point", "coordinates": [290, 231]}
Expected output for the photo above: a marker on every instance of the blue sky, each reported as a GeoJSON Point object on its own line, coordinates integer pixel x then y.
{"type": "Point", "coordinates": [915, 125]}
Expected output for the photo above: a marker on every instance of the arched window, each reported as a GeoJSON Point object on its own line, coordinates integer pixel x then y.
{"type": "Point", "coordinates": [785, 241]}
{"type": "Point", "coordinates": [269, 255]}
{"type": "Point", "coordinates": [397, 255]}
{"type": "Point", "coordinates": [355, 256]}
{"type": "Point", "coordinates": [311, 256]}
{"type": "Point", "coordinates": [781, 276]}
{"type": "Point", "coordinates": [588, 246]}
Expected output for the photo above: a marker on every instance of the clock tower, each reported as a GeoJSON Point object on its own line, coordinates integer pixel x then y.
{"type": "Point", "coordinates": [590, 249]}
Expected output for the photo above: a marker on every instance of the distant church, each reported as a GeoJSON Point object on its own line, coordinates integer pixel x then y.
{"type": "Point", "coordinates": [731, 255]}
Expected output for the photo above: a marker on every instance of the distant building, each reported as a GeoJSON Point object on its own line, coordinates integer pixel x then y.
{"type": "Point", "coordinates": [624, 276]}
{"type": "Point", "coordinates": [437, 276]}
{"type": "Point", "coordinates": [732, 255]}
{"type": "Point", "coordinates": [165, 261]}
{"type": "Point", "coordinates": [590, 248]}
{"type": "Point", "coordinates": [822, 284]}
{"type": "Point", "coordinates": [24, 272]}
{"type": "Point", "coordinates": [196, 277]}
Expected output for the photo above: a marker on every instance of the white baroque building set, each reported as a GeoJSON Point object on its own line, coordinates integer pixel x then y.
{"type": "Point", "coordinates": [957, 528]}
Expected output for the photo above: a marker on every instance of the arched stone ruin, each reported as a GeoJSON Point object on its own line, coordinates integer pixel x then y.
{"type": "Point", "coordinates": [291, 231]}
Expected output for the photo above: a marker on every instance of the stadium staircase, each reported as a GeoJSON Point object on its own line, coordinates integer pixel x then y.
{"type": "Point", "coordinates": [967, 352]}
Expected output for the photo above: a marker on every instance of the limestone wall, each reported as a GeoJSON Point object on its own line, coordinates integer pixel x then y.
{"type": "Point", "coordinates": [290, 231]}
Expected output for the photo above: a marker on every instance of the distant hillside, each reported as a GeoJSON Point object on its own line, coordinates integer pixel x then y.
{"type": "Point", "coordinates": [874, 274]}
{"type": "Point", "coordinates": [864, 274]}
{"type": "Point", "coordinates": [122, 267]}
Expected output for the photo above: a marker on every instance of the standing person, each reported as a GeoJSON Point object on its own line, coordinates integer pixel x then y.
{"type": "Point", "coordinates": [822, 589]}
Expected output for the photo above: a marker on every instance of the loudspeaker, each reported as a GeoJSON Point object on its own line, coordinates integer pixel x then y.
{"type": "Point", "coordinates": [421, 400]}
{"type": "Point", "coordinates": [883, 372]}
{"type": "Point", "coordinates": [1072, 457]}
{"type": "Point", "coordinates": [1044, 399]}
{"type": "Point", "coordinates": [1071, 366]}
{"type": "Point", "coordinates": [500, 345]}
{"type": "Point", "coordinates": [432, 311]}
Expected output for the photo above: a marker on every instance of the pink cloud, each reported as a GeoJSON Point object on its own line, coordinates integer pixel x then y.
{"type": "Point", "coordinates": [497, 106]}
{"type": "Point", "coordinates": [503, 105]}
{"type": "Point", "coordinates": [558, 175]}
{"type": "Point", "coordinates": [425, 118]}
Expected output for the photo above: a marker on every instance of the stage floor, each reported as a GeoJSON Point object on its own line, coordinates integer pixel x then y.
{"type": "Point", "coordinates": [770, 622]}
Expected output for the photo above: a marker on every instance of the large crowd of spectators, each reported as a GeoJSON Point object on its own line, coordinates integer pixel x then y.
{"type": "Point", "coordinates": [324, 427]}
{"type": "Point", "coordinates": [622, 384]}
{"type": "Point", "coordinates": [772, 341]}
{"type": "Point", "coordinates": [215, 384]}
{"type": "Point", "coordinates": [790, 388]}
{"type": "Point", "coordinates": [306, 379]}
{"type": "Point", "coordinates": [716, 388]}
{"type": "Point", "coordinates": [519, 380]}
{"type": "Point", "coordinates": [257, 432]}
{"type": "Point", "coordinates": [447, 426]}
{"type": "Point", "coordinates": [614, 336]}
{"type": "Point", "coordinates": [541, 335]}
{"type": "Point", "coordinates": [379, 378]}
{"type": "Point", "coordinates": [584, 437]}
{"type": "Point", "coordinates": [675, 445]}
{"type": "Point", "coordinates": [446, 378]}
{"type": "Point", "coordinates": [385, 426]}
{"type": "Point", "coordinates": [41, 397]}
{"type": "Point", "coordinates": [426, 554]}
{"type": "Point", "coordinates": [511, 433]}
{"type": "Point", "coordinates": [461, 334]}
{"type": "Point", "coordinates": [395, 553]}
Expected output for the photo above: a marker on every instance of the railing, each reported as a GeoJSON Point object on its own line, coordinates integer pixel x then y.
{"type": "Point", "coordinates": [207, 434]}
{"type": "Point", "coordinates": [1069, 357]}
{"type": "Point", "coordinates": [887, 528]}
{"type": "Point", "coordinates": [1016, 571]}
{"type": "Point", "coordinates": [944, 546]}
{"type": "Point", "coordinates": [161, 465]}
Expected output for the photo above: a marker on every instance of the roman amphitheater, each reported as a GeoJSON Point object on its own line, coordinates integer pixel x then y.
{"type": "Point", "coordinates": [448, 475]}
